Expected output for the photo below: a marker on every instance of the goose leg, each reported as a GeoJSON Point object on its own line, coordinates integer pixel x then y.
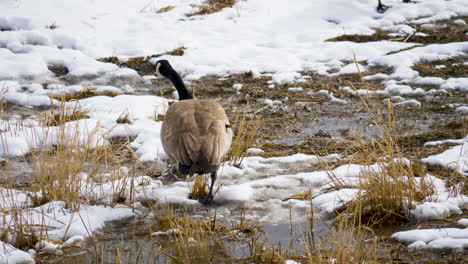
{"type": "Point", "coordinates": [213, 179]}
{"type": "Point", "coordinates": [208, 199]}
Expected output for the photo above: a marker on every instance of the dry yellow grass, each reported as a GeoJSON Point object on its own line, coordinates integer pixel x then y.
{"type": "Point", "coordinates": [165, 9]}
{"type": "Point", "coordinates": [245, 131]}
{"type": "Point", "coordinates": [212, 6]}
{"type": "Point", "coordinates": [62, 114]}
{"type": "Point", "coordinates": [85, 93]}
{"type": "Point", "coordinates": [124, 118]}
{"type": "Point", "coordinates": [386, 193]}
{"type": "Point", "coordinates": [199, 188]}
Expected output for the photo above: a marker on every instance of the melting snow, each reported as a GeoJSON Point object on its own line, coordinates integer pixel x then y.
{"type": "Point", "coordinates": [434, 238]}
{"type": "Point", "coordinates": [230, 41]}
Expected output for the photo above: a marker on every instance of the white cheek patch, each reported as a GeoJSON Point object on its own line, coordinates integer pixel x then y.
{"type": "Point", "coordinates": [157, 70]}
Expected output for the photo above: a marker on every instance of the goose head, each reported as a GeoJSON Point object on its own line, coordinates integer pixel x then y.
{"type": "Point", "coordinates": [164, 69]}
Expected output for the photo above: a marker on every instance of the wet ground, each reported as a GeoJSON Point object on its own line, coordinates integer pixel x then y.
{"type": "Point", "coordinates": [301, 121]}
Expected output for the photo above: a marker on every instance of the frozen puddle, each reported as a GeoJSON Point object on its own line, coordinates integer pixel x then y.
{"type": "Point", "coordinates": [260, 186]}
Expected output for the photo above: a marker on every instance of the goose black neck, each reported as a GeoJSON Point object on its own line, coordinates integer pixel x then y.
{"type": "Point", "coordinates": [184, 94]}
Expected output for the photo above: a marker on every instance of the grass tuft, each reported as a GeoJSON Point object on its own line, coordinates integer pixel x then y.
{"type": "Point", "coordinates": [63, 115]}
{"type": "Point", "coordinates": [199, 188]}
{"type": "Point", "coordinates": [51, 26]}
{"type": "Point", "coordinates": [124, 119]}
{"type": "Point", "coordinates": [165, 9]}
{"type": "Point", "coordinates": [85, 93]}
{"type": "Point", "coordinates": [387, 191]}
{"type": "Point", "coordinates": [211, 6]}
{"type": "Point", "coordinates": [245, 132]}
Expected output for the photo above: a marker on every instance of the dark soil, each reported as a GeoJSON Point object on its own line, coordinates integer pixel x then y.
{"type": "Point", "coordinates": [448, 68]}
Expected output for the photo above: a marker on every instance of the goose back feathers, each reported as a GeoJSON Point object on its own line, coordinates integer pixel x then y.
{"type": "Point", "coordinates": [196, 135]}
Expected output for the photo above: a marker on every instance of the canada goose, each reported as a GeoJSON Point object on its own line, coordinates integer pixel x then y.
{"type": "Point", "coordinates": [381, 8]}
{"type": "Point", "coordinates": [195, 134]}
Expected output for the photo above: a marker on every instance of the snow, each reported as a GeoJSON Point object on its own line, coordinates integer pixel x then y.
{"type": "Point", "coordinates": [408, 104]}
{"type": "Point", "coordinates": [434, 238]}
{"type": "Point", "coordinates": [21, 140]}
{"type": "Point", "coordinates": [63, 223]}
{"type": "Point", "coordinates": [463, 221]}
{"type": "Point", "coordinates": [460, 22]}
{"type": "Point", "coordinates": [10, 254]}
{"type": "Point", "coordinates": [329, 95]}
{"type": "Point", "coordinates": [417, 245]}
{"type": "Point", "coordinates": [291, 262]}
{"type": "Point", "coordinates": [57, 222]}
{"type": "Point", "coordinates": [450, 141]}
{"type": "Point", "coordinates": [352, 68]}
{"type": "Point", "coordinates": [255, 151]}
{"type": "Point", "coordinates": [462, 110]}
{"type": "Point", "coordinates": [102, 29]}
{"type": "Point", "coordinates": [295, 89]}
{"type": "Point", "coordinates": [442, 208]}
{"type": "Point", "coordinates": [455, 158]}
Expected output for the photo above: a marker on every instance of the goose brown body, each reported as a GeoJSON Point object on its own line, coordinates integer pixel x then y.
{"type": "Point", "coordinates": [196, 135]}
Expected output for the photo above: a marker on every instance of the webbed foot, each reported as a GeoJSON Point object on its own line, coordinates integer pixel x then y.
{"type": "Point", "coordinates": [206, 200]}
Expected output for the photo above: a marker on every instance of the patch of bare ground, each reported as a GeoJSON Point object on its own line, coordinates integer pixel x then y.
{"type": "Point", "coordinates": [447, 68]}
{"type": "Point", "coordinates": [143, 64]}
{"type": "Point", "coordinates": [444, 31]}
{"type": "Point", "coordinates": [211, 6]}
{"type": "Point", "coordinates": [165, 9]}
{"type": "Point", "coordinates": [378, 35]}
{"type": "Point", "coordinates": [304, 121]}
{"type": "Point", "coordinates": [58, 70]}
{"type": "Point", "coordinates": [307, 122]}
{"type": "Point", "coordinates": [85, 93]}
